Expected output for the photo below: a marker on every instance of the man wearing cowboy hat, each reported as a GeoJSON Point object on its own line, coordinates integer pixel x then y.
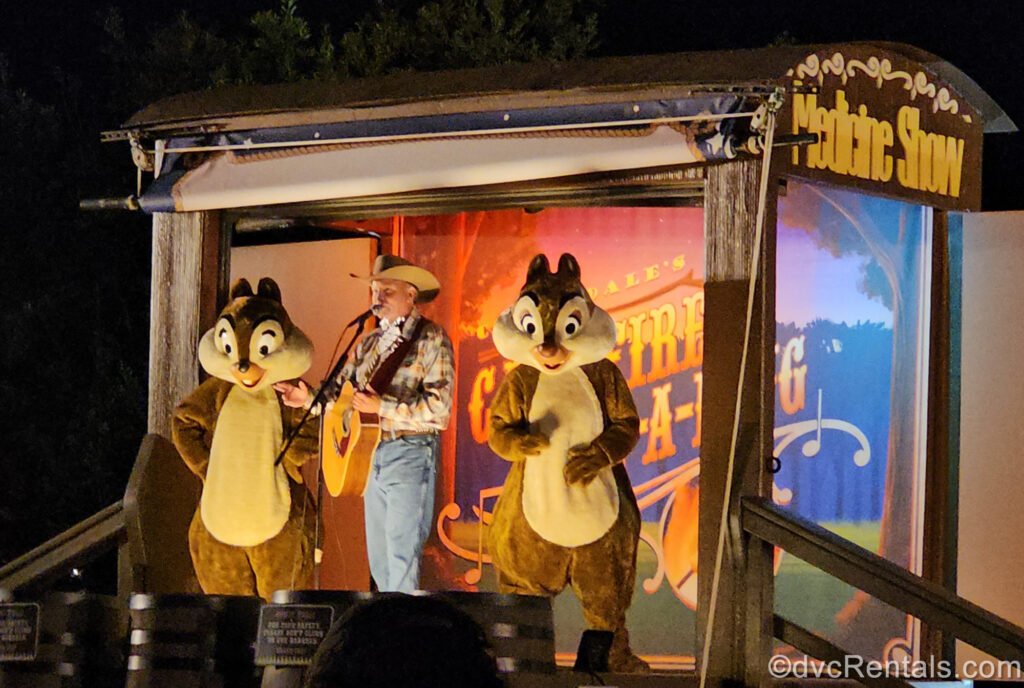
{"type": "Point", "coordinates": [413, 408]}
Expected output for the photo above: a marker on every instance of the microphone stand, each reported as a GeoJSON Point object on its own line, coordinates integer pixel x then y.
{"type": "Point", "coordinates": [327, 385]}
{"type": "Point", "coordinates": [320, 400]}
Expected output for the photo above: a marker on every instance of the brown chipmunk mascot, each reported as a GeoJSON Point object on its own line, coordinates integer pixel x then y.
{"type": "Point", "coordinates": [253, 530]}
{"type": "Point", "coordinates": [566, 420]}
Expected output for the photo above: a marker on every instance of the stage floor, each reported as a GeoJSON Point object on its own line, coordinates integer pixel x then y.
{"type": "Point", "coordinates": [566, 678]}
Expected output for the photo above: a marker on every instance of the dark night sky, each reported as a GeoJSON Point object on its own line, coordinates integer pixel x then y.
{"type": "Point", "coordinates": [983, 39]}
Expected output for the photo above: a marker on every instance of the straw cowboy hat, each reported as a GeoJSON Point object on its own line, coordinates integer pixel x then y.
{"type": "Point", "coordinates": [387, 266]}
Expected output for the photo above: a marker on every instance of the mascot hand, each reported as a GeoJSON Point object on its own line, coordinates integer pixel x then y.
{"type": "Point", "coordinates": [293, 471]}
{"type": "Point", "coordinates": [532, 443]}
{"type": "Point", "coordinates": [585, 462]}
{"type": "Point", "coordinates": [294, 396]}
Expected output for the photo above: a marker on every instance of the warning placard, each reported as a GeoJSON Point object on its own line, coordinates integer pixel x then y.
{"type": "Point", "coordinates": [19, 632]}
{"type": "Point", "coordinates": [290, 633]}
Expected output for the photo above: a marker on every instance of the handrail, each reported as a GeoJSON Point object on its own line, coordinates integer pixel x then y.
{"type": "Point", "coordinates": [819, 648]}
{"type": "Point", "coordinates": [150, 525]}
{"type": "Point", "coordinates": [76, 546]}
{"type": "Point", "coordinates": [883, 579]}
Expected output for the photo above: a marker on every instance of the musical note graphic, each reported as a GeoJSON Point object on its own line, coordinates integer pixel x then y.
{"type": "Point", "coordinates": [789, 433]}
{"type": "Point", "coordinates": [451, 512]}
{"type": "Point", "coordinates": [812, 447]}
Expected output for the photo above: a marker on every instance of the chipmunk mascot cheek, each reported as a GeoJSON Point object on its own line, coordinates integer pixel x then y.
{"type": "Point", "coordinates": [566, 420]}
{"type": "Point", "coordinates": [253, 530]}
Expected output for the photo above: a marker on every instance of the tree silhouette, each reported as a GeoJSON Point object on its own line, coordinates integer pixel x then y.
{"type": "Point", "coordinates": [281, 46]}
{"type": "Point", "coordinates": [74, 356]}
{"type": "Point", "coordinates": [466, 33]}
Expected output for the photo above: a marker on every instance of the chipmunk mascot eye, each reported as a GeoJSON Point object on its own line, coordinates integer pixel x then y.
{"type": "Point", "coordinates": [566, 420]}
{"type": "Point", "coordinates": [253, 530]}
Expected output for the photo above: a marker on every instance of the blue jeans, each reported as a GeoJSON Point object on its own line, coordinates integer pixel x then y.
{"type": "Point", "coordinates": [399, 509]}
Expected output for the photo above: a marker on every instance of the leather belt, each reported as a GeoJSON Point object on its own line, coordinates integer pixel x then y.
{"type": "Point", "coordinates": [395, 434]}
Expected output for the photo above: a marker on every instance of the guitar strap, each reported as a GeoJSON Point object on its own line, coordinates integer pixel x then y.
{"type": "Point", "coordinates": [385, 372]}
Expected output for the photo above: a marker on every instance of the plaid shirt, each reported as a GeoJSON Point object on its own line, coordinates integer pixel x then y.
{"type": "Point", "coordinates": [419, 398]}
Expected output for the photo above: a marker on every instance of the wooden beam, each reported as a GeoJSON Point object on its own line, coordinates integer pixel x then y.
{"type": "Point", "coordinates": [730, 212]}
{"type": "Point", "coordinates": [759, 601]}
{"type": "Point", "coordinates": [942, 466]}
{"type": "Point", "coordinates": [820, 648]}
{"type": "Point", "coordinates": [189, 275]}
{"type": "Point", "coordinates": [76, 546]}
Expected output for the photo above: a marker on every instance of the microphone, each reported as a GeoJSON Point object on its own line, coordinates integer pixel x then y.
{"type": "Point", "coordinates": [362, 317]}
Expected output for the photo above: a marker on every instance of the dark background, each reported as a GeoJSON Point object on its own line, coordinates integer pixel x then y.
{"type": "Point", "coordinates": [75, 288]}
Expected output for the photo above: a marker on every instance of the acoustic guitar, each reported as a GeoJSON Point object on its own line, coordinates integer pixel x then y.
{"type": "Point", "coordinates": [347, 457]}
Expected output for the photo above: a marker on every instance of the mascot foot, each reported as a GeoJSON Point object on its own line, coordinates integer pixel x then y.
{"type": "Point", "coordinates": [621, 658]}
{"type": "Point", "coordinates": [627, 663]}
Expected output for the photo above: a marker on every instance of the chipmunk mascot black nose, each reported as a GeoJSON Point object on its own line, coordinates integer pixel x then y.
{"type": "Point", "coordinates": [253, 530]}
{"type": "Point", "coordinates": [566, 420]}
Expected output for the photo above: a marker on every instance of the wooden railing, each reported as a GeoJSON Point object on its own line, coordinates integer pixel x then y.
{"type": "Point", "coordinates": [149, 527]}
{"type": "Point", "coordinates": [75, 547]}
{"type": "Point", "coordinates": [879, 577]}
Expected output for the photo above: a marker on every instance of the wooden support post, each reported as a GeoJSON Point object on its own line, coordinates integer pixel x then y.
{"type": "Point", "coordinates": [188, 284]}
{"type": "Point", "coordinates": [743, 609]}
{"type": "Point", "coordinates": [759, 601]}
{"type": "Point", "coordinates": [942, 466]}
{"type": "Point", "coordinates": [189, 281]}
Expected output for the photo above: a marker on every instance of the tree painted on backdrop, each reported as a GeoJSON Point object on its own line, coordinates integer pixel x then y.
{"type": "Point", "coordinates": [880, 230]}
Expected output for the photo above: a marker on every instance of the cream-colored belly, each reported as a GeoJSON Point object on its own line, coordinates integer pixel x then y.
{"type": "Point", "coordinates": [245, 497]}
{"type": "Point", "coordinates": [568, 412]}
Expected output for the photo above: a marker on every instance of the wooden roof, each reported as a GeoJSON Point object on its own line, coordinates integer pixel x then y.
{"type": "Point", "coordinates": [541, 84]}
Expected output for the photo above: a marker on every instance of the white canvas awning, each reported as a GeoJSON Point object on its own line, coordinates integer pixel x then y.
{"type": "Point", "coordinates": [355, 158]}
{"type": "Point", "coordinates": [229, 180]}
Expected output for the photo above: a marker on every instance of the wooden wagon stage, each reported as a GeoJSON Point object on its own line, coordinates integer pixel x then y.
{"type": "Point", "coordinates": [773, 232]}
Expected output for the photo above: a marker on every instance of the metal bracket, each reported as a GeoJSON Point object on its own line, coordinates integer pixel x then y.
{"type": "Point", "coordinates": [142, 159]}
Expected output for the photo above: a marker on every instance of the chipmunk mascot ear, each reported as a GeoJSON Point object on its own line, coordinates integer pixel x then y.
{"type": "Point", "coordinates": [253, 530]}
{"type": "Point", "coordinates": [566, 420]}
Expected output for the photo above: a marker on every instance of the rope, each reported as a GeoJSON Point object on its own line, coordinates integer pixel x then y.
{"type": "Point", "coordinates": [531, 130]}
{"type": "Point", "coordinates": [236, 157]}
{"type": "Point", "coordinates": [755, 261]}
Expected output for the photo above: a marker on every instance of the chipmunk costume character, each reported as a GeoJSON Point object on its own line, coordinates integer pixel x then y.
{"type": "Point", "coordinates": [253, 530]}
{"type": "Point", "coordinates": [566, 420]}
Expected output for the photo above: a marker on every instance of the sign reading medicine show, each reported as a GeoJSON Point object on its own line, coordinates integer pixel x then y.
{"type": "Point", "coordinates": [885, 125]}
